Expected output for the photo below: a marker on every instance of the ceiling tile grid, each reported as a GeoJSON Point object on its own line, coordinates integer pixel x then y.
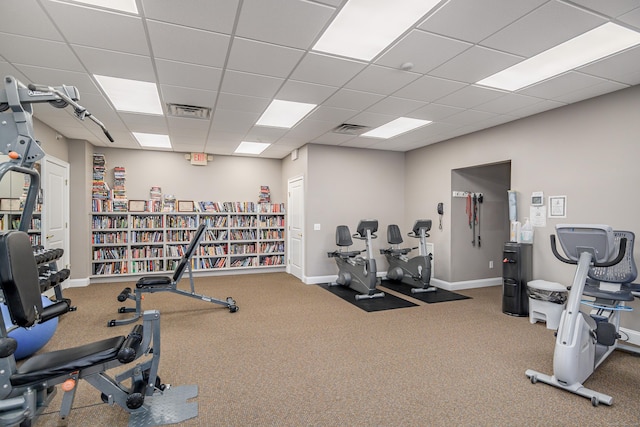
{"type": "Point", "coordinates": [235, 57]}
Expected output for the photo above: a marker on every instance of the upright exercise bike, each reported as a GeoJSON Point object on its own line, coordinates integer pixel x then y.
{"type": "Point", "coordinates": [355, 271]}
{"type": "Point", "coordinates": [585, 340]}
{"type": "Point", "coordinates": [416, 271]}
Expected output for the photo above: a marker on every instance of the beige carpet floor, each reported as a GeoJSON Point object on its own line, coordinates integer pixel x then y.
{"type": "Point", "coordinates": [297, 355]}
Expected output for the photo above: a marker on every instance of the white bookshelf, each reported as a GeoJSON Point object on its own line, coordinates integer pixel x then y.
{"type": "Point", "coordinates": [134, 243]}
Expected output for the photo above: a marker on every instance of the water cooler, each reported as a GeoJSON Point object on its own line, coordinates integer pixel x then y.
{"type": "Point", "coordinates": [517, 271]}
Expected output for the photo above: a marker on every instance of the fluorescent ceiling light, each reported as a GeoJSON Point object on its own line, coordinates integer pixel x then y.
{"type": "Point", "coordinates": [598, 43]}
{"type": "Point", "coordinates": [396, 127]}
{"type": "Point", "coordinates": [284, 114]}
{"type": "Point", "coordinates": [152, 140]}
{"type": "Point", "coordinates": [131, 95]}
{"type": "Point", "coordinates": [363, 28]}
{"type": "Point", "coordinates": [251, 147]}
{"type": "Point", "coordinates": [121, 5]}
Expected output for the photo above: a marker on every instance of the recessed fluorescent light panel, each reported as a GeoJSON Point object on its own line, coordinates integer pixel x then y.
{"type": "Point", "coordinates": [152, 140]}
{"type": "Point", "coordinates": [598, 43]}
{"type": "Point", "coordinates": [284, 114]}
{"type": "Point", "coordinates": [131, 95]}
{"type": "Point", "coordinates": [251, 147]}
{"type": "Point", "coordinates": [121, 5]}
{"type": "Point", "coordinates": [363, 28]}
{"type": "Point", "coordinates": [396, 127]}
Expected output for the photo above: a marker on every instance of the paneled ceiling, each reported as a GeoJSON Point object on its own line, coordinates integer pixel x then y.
{"type": "Point", "coordinates": [235, 56]}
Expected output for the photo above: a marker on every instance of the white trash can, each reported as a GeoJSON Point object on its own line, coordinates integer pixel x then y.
{"type": "Point", "coordinates": [547, 300]}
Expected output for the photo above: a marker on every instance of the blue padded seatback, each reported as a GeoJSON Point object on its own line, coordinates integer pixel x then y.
{"type": "Point", "coordinates": [343, 236]}
{"type": "Point", "coordinates": [623, 272]}
{"type": "Point", "coordinates": [394, 237]}
{"type": "Point", "coordinates": [188, 254]}
{"type": "Point", "coordinates": [19, 278]}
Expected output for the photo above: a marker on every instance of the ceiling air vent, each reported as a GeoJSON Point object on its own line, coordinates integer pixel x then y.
{"type": "Point", "coordinates": [350, 129]}
{"type": "Point", "coordinates": [189, 111]}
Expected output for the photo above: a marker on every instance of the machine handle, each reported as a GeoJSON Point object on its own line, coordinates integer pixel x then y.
{"type": "Point", "coordinates": [621, 253]}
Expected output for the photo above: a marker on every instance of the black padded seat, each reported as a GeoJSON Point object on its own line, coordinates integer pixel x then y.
{"type": "Point", "coordinates": [49, 365]}
{"type": "Point", "coordinates": [154, 281]}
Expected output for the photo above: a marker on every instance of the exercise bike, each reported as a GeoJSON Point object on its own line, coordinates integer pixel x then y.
{"type": "Point", "coordinates": [355, 271]}
{"type": "Point", "coordinates": [585, 340]}
{"type": "Point", "coordinates": [416, 271]}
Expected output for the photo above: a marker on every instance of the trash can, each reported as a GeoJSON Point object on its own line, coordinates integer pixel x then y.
{"type": "Point", "coordinates": [547, 300]}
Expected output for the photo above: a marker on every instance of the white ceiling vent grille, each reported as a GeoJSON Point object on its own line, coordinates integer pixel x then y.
{"type": "Point", "coordinates": [189, 111]}
{"type": "Point", "coordinates": [350, 129]}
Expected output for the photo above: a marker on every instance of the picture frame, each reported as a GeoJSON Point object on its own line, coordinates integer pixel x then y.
{"type": "Point", "coordinates": [185, 206]}
{"type": "Point", "coordinates": [557, 206]}
{"type": "Point", "coordinates": [137, 205]}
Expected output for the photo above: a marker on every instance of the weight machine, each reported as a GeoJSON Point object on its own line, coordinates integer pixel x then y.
{"type": "Point", "coordinates": [27, 390]}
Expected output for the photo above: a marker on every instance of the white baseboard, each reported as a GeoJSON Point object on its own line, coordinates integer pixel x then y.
{"type": "Point", "coordinates": [75, 283]}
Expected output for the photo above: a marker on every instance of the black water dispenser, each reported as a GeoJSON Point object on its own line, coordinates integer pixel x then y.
{"type": "Point", "coordinates": [517, 271]}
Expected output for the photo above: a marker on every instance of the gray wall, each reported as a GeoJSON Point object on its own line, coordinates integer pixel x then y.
{"type": "Point", "coordinates": [343, 186]}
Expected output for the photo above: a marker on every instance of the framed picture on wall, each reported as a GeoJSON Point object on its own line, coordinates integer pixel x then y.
{"type": "Point", "coordinates": [557, 206]}
{"type": "Point", "coordinates": [137, 205]}
{"type": "Point", "coordinates": [185, 205]}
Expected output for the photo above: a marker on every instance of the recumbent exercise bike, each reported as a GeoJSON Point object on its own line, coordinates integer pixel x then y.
{"type": "Point", "coordinates": [416, 271]}
{"type": "Point", "coordinates": [605, 270]}
{"type": "Point", "coordinates": [355, 271]}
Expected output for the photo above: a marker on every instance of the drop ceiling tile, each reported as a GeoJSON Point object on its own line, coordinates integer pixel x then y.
{"type": "Point", "coordinates": [474, 64]}
{"type": "Point", "coordinates": [613, 8]}
{"type": "Point", "coordinates": [540, 107]}
{"type": "Point", "coordinates": [428, 89]}
{"type": "Point", "coordinates": [381, 80]}
{"type": "Point", "coordinates": [327, 70]}
{"type": "Point", "coordinates": [188, 75]}
{"type": "Point", "coordinates": [188, 96]}
{"type": "Point", "coordinates": [263, 58]}
{"type": "Point", "coordinates": [507, 103]}
{"type": "Point", "coordinates": [547, 26]}
{"type": "Point", "coordinates": [396, 106]}
{"type": "Point", "coordinates": [424, 50]}
{"type": "Point", "coordinates": [371, 119]}
{"type": "Point", "coordinates": [309, 129]}
{"type": "Point", "coordinates": [620, 68]}
{"type": "Point", "coordinates": [632, 18]}
{"type": "Point", "coordinates": [468, 117]}
{"type": "Point", "coordinates": [298, 27]}
{"type": "Point", "coordinates": [233, 121]}
{"type": "Point", "coordinates": [116, 64]}
{"type": "Point", "coordinates": [265, 134]}
{"type": "Point", "coordinates": [234, 102]}
{"type": "Point", "coordinates": [352, 99]}
{"type": "Point", "coordinates": [305, 92]}
{"type": "Point", "coordinates": [250, 84]}
{"type": "Point", "coordinates": [434, 112]}
{"type": "Point", "coordinates": [209, 15]}
{"type": "Point", "coordinates": [331, 138]}
{"type": "Point", "coordinates": [30, 51]}
{"type": "Point", "coordinates": [472, 20]}
{"type": "Point", "coordinates": [7, 69]}
{"type": "Point", "coordinates": [27, 19]}
{"type": "Point", "coordinates": [178, 43]}
{"type": "Point", "coordinates": [592, 91]}
{"type": "Point", "coordinates": [87, 26]}
{"type": "Point", "coordinates": [145, 123]}
{"type": "Point", "coordinates": [561, 85]}
{"type": "Point", "coordinates": [470, 96]}
{"type": "Point", "coordinates": [187, 127]}
{"type": "Point", "coordinates": [332, 114]}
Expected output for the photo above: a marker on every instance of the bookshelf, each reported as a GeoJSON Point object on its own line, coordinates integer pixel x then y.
{"type": "Point", "coordinates": [10, 220]}
{"type": "Point", "coordinates": [239, 236]}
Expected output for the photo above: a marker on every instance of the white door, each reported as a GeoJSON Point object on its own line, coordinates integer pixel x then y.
{"type": "Point", "coordinates": [55, 207]}
{"type": "Point", "coordinates": [295, 240]}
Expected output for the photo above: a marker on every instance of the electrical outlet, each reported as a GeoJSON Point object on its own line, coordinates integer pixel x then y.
{"type": "Point", "coordinates": [490, 264]}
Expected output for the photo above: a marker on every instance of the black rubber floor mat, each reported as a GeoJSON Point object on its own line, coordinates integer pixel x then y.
{"type": "Point", "coordinates": [439, 295]}
{"type": "Point", "coordinates": [388, 302]}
